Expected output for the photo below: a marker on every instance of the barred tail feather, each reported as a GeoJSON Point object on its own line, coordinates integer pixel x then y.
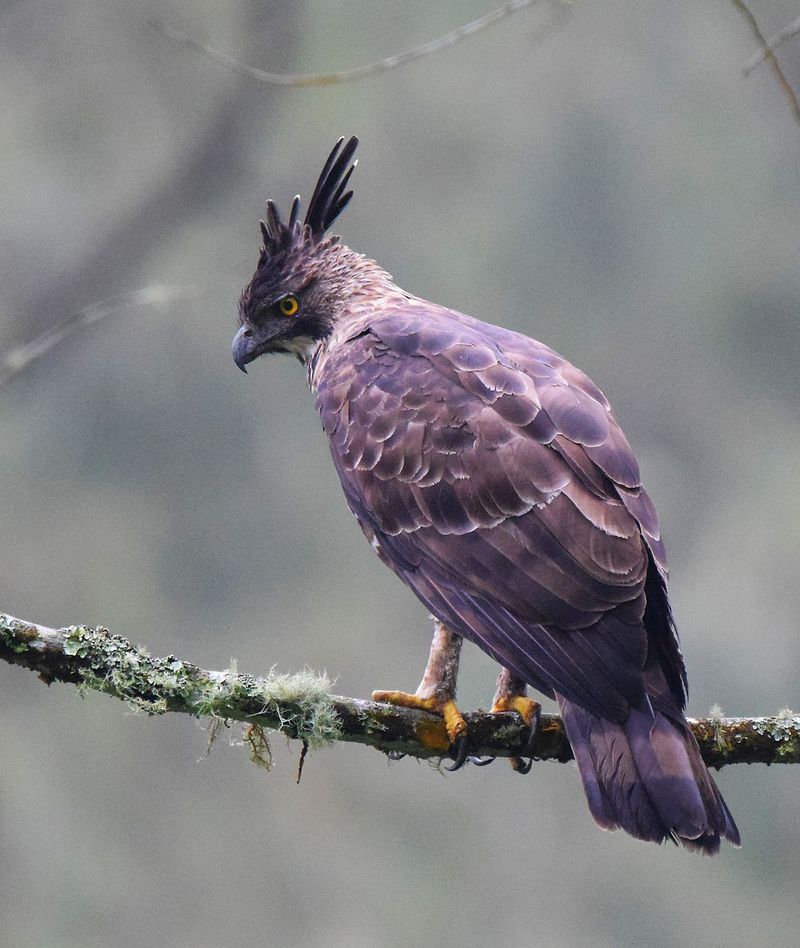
{"type": "Point", "coordinates": [647, 777]}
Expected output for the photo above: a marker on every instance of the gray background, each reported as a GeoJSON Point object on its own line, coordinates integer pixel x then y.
{"type": "Point", "coordinates": [615, 188]}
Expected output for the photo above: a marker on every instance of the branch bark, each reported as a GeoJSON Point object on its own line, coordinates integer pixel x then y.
{"type": "Point", "coordinates": [771, 46]}
{"type": "Point", "coordinates": [301, 706]}
{"type": "Point", "coordinates": [769, 54]}
{"type": "Point", "coordinates": [346, 75]}
{"type": "Point", "coordinates": [17, 360]}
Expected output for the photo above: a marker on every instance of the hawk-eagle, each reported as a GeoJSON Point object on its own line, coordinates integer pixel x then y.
{"type": "Point", "coordinates": [490, 474]}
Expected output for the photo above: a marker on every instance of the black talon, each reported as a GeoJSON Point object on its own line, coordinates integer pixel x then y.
{"type": "Point", "coordinates": [517, 763]}
{"type": "Point", "coordinates": [459, 754]}
{"type": "Point", "coordinates": [481, 761]}
{"type": "Point", "coordinates": [396, 755]}
{"type": "Point", "coordinates": [529, 749]}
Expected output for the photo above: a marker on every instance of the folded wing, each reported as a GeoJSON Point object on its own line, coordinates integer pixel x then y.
{"type": "Point", "coordinates": [492, 477]}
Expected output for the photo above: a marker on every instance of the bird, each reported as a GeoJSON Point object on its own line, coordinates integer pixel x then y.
{"type": "Point", "coordinates": [492, 477]}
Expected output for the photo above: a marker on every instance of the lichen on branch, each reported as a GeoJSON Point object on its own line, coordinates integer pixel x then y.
{"type": "Point", "coordinates": [300, 705]}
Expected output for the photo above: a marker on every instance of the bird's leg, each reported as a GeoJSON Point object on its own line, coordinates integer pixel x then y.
{"type": "Point", "coordinates": [437, 690]}
{"type": "Point", "coordinates": [512, 695]}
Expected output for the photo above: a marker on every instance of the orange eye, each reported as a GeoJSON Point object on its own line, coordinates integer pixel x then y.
{"type": "Point", "coordinates": [289, 305]}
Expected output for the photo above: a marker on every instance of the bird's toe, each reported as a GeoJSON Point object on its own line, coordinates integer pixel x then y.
{"type": "Point", "coordinates": [455, 726]}
{"type": "Point", "coordinates": [529, 710]}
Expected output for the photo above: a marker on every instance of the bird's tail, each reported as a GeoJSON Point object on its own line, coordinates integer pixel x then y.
{"type": "Point", "coordinates": [647, 776]}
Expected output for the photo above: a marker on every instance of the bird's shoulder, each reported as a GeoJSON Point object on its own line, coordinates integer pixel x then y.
{"type": "Point", "coordinates": [420, 345]}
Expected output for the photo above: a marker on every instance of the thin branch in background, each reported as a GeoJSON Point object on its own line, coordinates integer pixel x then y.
{"type": "Point", "coordinates": [221, 139]}
{"type": "Point", "coordinates": [347, 75]}
{"type": "Point", "coordinates": [769, 55]}
{"type": "Point", "coordinates": [777, 40]}
{"type": "Point", "coordinates": [15, 361]}
{"type": "Point", "coordinates": [301, 706]}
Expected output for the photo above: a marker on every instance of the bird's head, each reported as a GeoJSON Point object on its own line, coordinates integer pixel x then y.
{"type": "Point", "coordinates": [303, 278]}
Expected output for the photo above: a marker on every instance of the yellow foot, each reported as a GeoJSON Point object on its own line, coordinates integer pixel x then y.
{"type": "Point", "coordinates": [454, 724]}
{"type": "Point", "coordinates": [526, 708]}
{"type": "Point", "coordinates": [529, 711]}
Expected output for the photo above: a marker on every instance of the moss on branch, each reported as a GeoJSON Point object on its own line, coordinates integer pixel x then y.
{"type": "Point", "coordinates": [300, 705]}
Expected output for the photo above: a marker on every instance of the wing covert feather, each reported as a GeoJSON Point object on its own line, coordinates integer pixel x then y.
{"type": "Point", "coordinates": [492, 477]}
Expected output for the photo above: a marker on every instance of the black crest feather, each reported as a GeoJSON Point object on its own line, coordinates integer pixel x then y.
{"type": "Point", "coordinates": [329, 199]}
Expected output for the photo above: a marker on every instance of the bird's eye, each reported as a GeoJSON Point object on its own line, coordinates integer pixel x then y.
{"type": "Point", "coordinates": [289, 305]}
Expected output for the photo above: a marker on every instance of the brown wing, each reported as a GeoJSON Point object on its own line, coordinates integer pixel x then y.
{"type": "Point", "coordinates": [491, 476]}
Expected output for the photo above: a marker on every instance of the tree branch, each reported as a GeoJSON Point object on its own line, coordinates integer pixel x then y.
{"type": "Point", "coordinates": [18, 359]}
{"type": "Point", "coordinates": [769, 55]}
{"type": "Point", "coordinates": [771, 46]}
{"type": "Point", "coordinates": [346, 75]}
{"type": "Point", "coordinates": [301, 707]}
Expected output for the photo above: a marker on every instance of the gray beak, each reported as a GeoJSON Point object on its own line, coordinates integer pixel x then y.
{"type": "Point", "coordinates": [244, 348]}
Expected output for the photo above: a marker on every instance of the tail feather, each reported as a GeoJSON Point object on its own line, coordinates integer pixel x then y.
{"type": "Point", "coordinates": [646, 776]}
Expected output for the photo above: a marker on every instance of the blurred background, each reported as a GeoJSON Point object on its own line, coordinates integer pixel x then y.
{"type": "Point", "coordinates": [600, 176]}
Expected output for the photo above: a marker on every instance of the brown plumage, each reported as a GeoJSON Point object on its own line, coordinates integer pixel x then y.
{"type": "Point", "coordinates": [490, 474]}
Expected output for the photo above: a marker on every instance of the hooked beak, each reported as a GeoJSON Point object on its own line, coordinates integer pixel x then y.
{"type": "Point", "coordinates": [246, 347]}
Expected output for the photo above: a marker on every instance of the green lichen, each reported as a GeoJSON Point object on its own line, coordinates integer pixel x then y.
{"type": "Point", "coordinates": [16, 635]}
{"type": "Point", "coordinates": [112, 665]}
{"type": "Point", "coordinates": [789, 749]}
{"type": "Point", "coordinates": [715, 714]}
{"type": "Point", "coordinates": [784, 730]}
{"type": "Point", "coordinates": [301, 701]}
{"type": "Point", "coordinates": [298, 704]}
{"type": "Point", "coordinates": [370, 723]}
{"type": "Point", "coordinates": [255, 739]}
{"type": "Point", "coordinates": [717, 721]}
{"type": "Point", "coordinates": [215, 726]}
{"type": "Point", "coordinates": [506, 733]}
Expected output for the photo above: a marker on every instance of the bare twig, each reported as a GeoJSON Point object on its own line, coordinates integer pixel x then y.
{"type": "Point", "coordinates": [771, 45]}
{"type": "Point", "coordinates": [301, 761]}
{"type": "Point", "coordinates": [300, 705]}
{"type": "Point", "coordinates": [17, 360]}
{"type": "Point", "coordinates": [742, 7]}
{"type": "Point", "coordinates": [346, 75]}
